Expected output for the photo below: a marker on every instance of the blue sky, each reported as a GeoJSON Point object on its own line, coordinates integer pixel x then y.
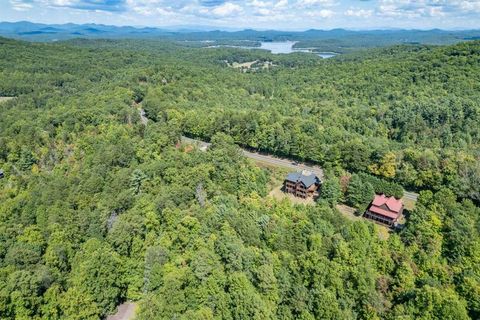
{"type": "Point", "coordinates": [259, 14]}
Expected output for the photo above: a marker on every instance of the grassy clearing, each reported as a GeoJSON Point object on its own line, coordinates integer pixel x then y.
{"type": "Point", "coordinates": [278, 194]}
{"type": "Point", "coordinates": [272, 167]}
{"type": "Point", "coordinates": [383, 232]}
{"type": "Point", "coordinates": [275, 185]}
{"type": "Point", "coordinates": [246, 65]}
{"type": "Point", "coordinates": [409, 204]}
{"type": "Point", "coordinates": [251, 65]}
{"type": "Point", "coordinates": [349, 213]}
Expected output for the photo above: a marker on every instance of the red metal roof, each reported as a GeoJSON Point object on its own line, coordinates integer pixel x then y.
{"type": "Point", "coordinates": [391, 203]}
{"type": "Point", "coordinates": [383, 212]}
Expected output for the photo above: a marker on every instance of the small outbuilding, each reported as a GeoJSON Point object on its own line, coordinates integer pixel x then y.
{"type": "Point", "coordinates": [302, 184]}
{"type": "Point", "coordinates": [384, 210]}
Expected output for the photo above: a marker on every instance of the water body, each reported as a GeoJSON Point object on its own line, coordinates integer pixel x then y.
{"type": "Point", "coordinates": [327, 55]}
{"type": "Point", "coordinates": [287, 47]}
{"type": "Point", "coordinates": [280, 47]}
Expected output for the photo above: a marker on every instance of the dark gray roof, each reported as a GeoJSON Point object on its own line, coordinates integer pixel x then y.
{"type": "Point", "coordinates": [307, 180]}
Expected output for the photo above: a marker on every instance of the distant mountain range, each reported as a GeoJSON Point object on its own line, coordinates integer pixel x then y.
{"type": "Point", "coordinates": [336, 37]}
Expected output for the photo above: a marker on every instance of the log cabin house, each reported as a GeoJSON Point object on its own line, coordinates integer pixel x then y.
{"type": "Point", "coordinates": [384, 210]}
{"type": "Point", "coordinates": [302, 184]}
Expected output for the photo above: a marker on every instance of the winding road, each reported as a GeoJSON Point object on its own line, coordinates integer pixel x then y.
{"type": "Point", "coordinates": [268, 159]}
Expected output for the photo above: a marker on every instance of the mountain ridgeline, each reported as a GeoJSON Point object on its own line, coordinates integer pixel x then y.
{"type": "Point", "coordinates": [335, 40]}
{"type": "Point", "coordinates": [97, 208]}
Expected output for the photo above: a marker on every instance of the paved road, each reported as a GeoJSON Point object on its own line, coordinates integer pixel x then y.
{"type": "Point", "coordinates": [125, 311]}
{"type": "Point", "coordinates": [410, 196]}
{"type": "Point", "coordinates": [283, 162]}
{"type": "Point", "coordinates": [275, 161]}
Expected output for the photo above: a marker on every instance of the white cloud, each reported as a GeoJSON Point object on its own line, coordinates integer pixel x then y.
{"type": "Point", "coordinates": [61, 3]}
{"type": "Point", "coordinates": [410, 9]}
{"type": "Point", "coordinates": [435, 12]}
{"type": "Point", "coordinates": [260, 4]}
{"type": "Point", "coordinates": [427, 8]}
{"type": "Point", "coordinates": [324, 13]}
{"type": "Point", "coordinates": [287, 14]}
{"type": "Point", "coordinates": [281, 4]}
{"type": "Point", "coordinates": [227, 9]}
{"type": "Point", "coordinates": [19, 5]}
{"type": "Point", "coordinates": [264, 12]}
{"type": "Point", "coordinates": [310, 3]}
{"type": "Point", "coordinates": [147, 7]}
{"type": "Point", "coordinates": [315, 3]}
{"type": "Point", "coordinates": [360, 13]}
{"type": "Point", "coordinates": [470, 6]}
{"type": "Point", "coordinates": [269, 8]}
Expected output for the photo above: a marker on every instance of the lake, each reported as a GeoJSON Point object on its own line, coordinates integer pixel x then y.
{"type": "Point", "coordinates": [287, 47]}
{"type": "Point", "coordinates": [280, 47]}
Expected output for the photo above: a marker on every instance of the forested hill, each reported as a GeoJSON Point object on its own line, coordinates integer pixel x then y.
{"type": "Point", "coordinates": [97, 208]}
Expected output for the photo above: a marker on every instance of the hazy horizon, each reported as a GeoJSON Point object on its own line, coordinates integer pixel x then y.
{"type": "Point", "coordinates": [201, 28]}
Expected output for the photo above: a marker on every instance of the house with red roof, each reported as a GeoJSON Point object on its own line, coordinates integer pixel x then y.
{"type": "Point", "coordinates": [384, 210]}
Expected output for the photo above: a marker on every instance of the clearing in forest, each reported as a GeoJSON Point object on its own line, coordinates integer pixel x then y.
{"type": "Point", "coordinates": [279, 194]}
{"type": "Point", "coordinates": [349, 213]}
{"type": "Point", "coordinates": [251, 65]}
{"type": "Point", "coordinates": [246, 65]}
{"type": "Point", "coordinates": [276, 184]}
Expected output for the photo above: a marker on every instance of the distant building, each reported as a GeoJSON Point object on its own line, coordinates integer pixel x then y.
{"type": "Point", "coordinates": [384, 210]}
{"type": "Point", "coordinates": [302, 184]}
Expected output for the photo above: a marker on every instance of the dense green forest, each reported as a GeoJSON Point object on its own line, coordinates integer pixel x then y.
{"type": "Point", "coordinates": [97, 208]}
